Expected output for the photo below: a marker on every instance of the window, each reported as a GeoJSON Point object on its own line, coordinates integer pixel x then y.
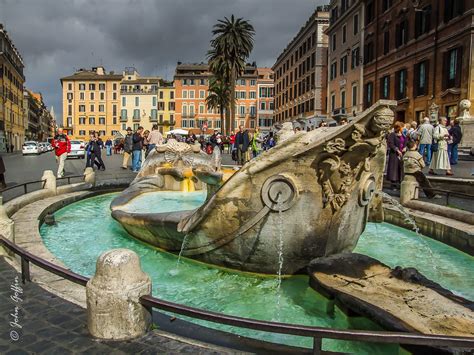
{"type": "Point", "coordinates": [161, 95]}
{"type": "Point", "coordinates": [185, 110]}
{"type": "Point", "coordinates": [91, 87]}
{"type": "Point", "coordinates": [452, 9]}
{"type": "Point", "coordinates": [201, 109]}
{"type": "Point", "coordinates": [69, 86]}
{"type": "Point", "coordinates": [184, 123]}
{"type": "Point", "coordinates": [421, 78]}
{"type": "Point", "coordinates": [422, 21]}
{"type": "Point", "coordinates": [333, 73]}
{"type": "Point", "coordinates": [137, 101]}
{"type": "Point", "coordinates": [69, 96]}
{"type": "Point", "coordinates": [355, 24]}
{"type": "Point", "coordinates": [69, 121]}
{"type": "Point", "coordinates": [153, 101]}
{"type": "Point", "coordinates": [101, 86]}
{"type": "Point", "coordinates": [82, 87]}
{"type": "Point", "coordinates": [82, 120]}
{"type": "Point", "coordinates": [401, 84]}
{"type": "Point", "coordinates": [82, 96]}
{"type": "Point", "coordinates": [171, 106]}
{"type": "Point", "coordinates": [344, 35]}
{"type": "Point", "coordinates": [69, 110]}
{"type": "Point", "coordinates": [369, 12]}
{"type": "Point", "coordinates": [191, 110]}
{"type": "Point", "coordinates": [343, 99]}
{"type": "Point", "coordinates": [263, 106]}
{"type": "Point", "coordinates": [344, 6]}
{"type": "Point", "coordinates": [369, 52]}
{"type": "Point", "coordinates": [114, 110]}
{"type": "Point", "coordinates": [202, 94]}
{"type": "Point", "coordinates": [242, 111]}
{"type": "Point", "coordinates": [452, 64]}
{"type": "Point", "coordinates": [386, 42]}
{"type": "Point", "coordinates": [253, 111]}
{"type": "Point", "coordinates": [114, 86]}
{"type": "Point", "coordinates": [135, 126]}
{"type": "Point", "coordinates": [333, 102]}
{"type": "Point", "coordinates": [124, 101]}
{"type": "Point", "coordinates": [369, 94]}
{"type": "Point", "coordinates": [202, 81]}
{"type": "Point", "coordinates": [217, 124]}
{"type": "Point", "coordinates": [333, 42]}
{"type": "Point", "coordinates": [191, 81]}
{"type": "Point", "coordinates": [154, 114]}
{"type": "Point", "coordinates": [82, 108]}
{"type": "Point", "coordinates": [185, 81]}
{"type": "Point", "coordinates": [355, 56]}
{"type": "Point", "coordinates": [123, 114]}
{"type": "Point", "coordinates": [253, 82]}
{"type": "Point", "coordinates": [343, 68]}
{"type": "Point", "coordinates": [401, 34]}
{"type": "Point", "coordinates": [114, 120]}
{"type": "Point", "coordinates": [185, 94]}
{"type": "Point", "coordinates": [91, 120]}
{"type": "Point", "coordinates": [191, 124]}
{"type": "Point", "coordinates": [354, 96]}
{"type": "Point", "coordinates": [386, 4]}
{"type": "Point", "coordinates": [171, 95]}
{"type": "Point", "coordinates": [385, 87]}
{"type": "Point", "coordinates": [101, 108]}
{"type": "Point", "coordinates": [136, 114]}
{"type": "Point", "coordinates": [82, 132]}
{"type": "Point", "coordinates": [92, 108]}
{"type": "Point", "coordinates": [101, 120]}
{"type": "Point", "coordinates": [253, 94]}
{"type": "Point", "coordinates": [191, 94]}
{"type": "Point", "coordinates": [92, 96]}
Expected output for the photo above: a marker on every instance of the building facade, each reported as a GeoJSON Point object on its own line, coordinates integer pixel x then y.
{"type": "Point", "coordinates": [33, 113]}
{"type": "Point", "coordinates": [191, 83]}
{"type": "Point", "coordinates": [301, 72]}
{"type": "Point", "coordinates": [345, 62]}
{"type": "Point", "coordinates": [419, 53]}
{"type": "Point", "coordinates": [12, 79]}
{"type": "Point", "coordinates": [91, 101]}
{"type": "Point", "coordinates": [265, 98]}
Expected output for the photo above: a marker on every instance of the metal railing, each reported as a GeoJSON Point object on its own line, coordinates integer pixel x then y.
{"type": "Point", "coordinates": [24, 192]}
{"type": "Point", "coordinates": [448, 193]}
{"type": "Point", "coordinates": [317, 333]}
{"type": "Point", "coordinates": [68, 178]}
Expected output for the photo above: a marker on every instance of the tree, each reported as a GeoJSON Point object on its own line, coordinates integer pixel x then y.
{"type": "Point", "coordinates": [231, 46]}
{"type": "Point", "coordinates": [219, 97]}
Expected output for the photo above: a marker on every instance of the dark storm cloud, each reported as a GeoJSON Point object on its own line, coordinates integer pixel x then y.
{"type": "Point", "coordinates": [55, 37]}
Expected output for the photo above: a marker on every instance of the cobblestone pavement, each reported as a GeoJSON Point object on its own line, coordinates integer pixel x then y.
{"type": "Point", "coordinates": [51, 325]}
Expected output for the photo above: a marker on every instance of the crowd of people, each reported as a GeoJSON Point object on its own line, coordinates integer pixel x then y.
{"type": "Point", "coordinates": [437, 146]}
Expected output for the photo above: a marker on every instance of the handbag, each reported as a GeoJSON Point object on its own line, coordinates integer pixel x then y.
{"type": "Point", "coordinates": [435, 142]}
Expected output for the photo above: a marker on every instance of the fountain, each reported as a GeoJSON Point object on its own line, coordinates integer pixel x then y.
{"type": "Point", "coordinates": [319, 182]}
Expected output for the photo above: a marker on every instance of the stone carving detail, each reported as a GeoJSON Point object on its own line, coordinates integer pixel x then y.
{"type": "Point", "coordinates": [464, 107]}
{"type": "Point", "coordinates": [176, 151]}
{"type": "Point", "coordinates": [341, 168]}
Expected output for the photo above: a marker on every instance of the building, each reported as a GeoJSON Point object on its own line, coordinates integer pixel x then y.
{"type": "Point", "coordinates": [265, 98]}
{"type": "Point", "coordinates": [419, 53]}
{"type": "Point", "coordinates": [12, 79]}
{"type": "Point", "coordinates": [301, 71]}
{"type": "Point", "coordinates": [33, 112]}
{"type": "Point", "coordinates": [44, 118]}
{"type": "Point", "coordinates": [91, 101]}
{"type": "Point", "coordinates": [191, 83]}
{"type": "Point", "coordinates": [345, 66]}
{"type": "Point", "coordinates": [142, 101]}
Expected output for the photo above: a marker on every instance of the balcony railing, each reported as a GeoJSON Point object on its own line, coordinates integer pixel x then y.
{"type": "Point", "coordinates": [136, 119]}
{"type": "Point", "coordinates": [123, 119]}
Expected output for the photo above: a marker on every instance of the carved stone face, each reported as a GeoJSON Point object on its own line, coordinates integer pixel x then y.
{"type": "Point", "coordinates": [465, 105]}
{"type": "Point", "coordinates": [382, 120]}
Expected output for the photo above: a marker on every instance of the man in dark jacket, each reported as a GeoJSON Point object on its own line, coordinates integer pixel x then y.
{"type": "Point", "coordinates": [127, 148]}
{"type": "Point", "coordinates": [456, 135]}
{"type": "Point", "coordinates": [213, 139]}
{"type": "Point", "coordinates": [137, 146]}
{"type": "Point", "coordinates": [94, 153]}
{"type": "Point", "coordinates": [242, 142]}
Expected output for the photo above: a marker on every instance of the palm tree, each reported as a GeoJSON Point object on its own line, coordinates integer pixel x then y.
{"type": "Point", "coordinates": [231, 46]}
{"type": "Point", "coordinates": [219, 97]}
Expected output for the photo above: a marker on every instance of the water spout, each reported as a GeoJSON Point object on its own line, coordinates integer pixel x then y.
{"type": "Point", "coordinates": [175, 271]}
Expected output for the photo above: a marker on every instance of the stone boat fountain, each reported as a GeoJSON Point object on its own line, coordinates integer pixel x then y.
{"type": "Point", "coordinates": [321, 183]}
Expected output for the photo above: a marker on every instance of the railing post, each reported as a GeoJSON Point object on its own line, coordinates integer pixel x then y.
{"type": "Point", "coordinates": [25, 270]}
{"type": "Point", "coordinates": [89, 176]}
{"type": "Point", "coordinates": [25, 188]}
{"type": "Point", "coordinates": [317, 346]}
{"type": "Point", "coordinates": [50, 181]}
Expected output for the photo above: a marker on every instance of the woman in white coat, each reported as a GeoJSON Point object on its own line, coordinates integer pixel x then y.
{"type": "Point", "coordinates": [440, 159]}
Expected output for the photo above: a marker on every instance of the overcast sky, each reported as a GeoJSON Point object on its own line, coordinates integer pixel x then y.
{"type": "Point", "coordinates": [55, 37]}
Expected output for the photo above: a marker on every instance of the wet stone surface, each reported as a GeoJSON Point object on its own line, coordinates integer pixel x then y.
{"type": "Point", "coordinates": [45, 323]}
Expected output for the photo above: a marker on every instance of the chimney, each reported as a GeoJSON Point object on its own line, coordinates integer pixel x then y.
{"type": "Point", "coordinates": [100, 70]}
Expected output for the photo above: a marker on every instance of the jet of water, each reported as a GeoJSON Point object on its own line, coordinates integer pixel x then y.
{"type": "Point", "coordinates": [175, 271]}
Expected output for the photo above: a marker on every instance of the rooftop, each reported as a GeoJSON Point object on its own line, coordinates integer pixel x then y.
{"type": "Point", "coordinates": [96, 73]}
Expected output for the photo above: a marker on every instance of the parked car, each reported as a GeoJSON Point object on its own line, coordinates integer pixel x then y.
{"type": "Point", "coordinates": [30, 147]}
{"type": "Point", "coordinates": [77, 150]}
{"type": "Point", "coordinates": [49, 147]}
{"type": "Point", "coordinates": [43, 147]}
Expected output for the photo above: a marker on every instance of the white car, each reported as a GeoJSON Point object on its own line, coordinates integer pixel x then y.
{"type": "Point", "coordinates": [49, 147]}
{"type": "Point", "coordinates": [43, 147]}
{"type": "Point", "coordinates": [31, 147]}
{"type": "Point", "coordinates": [77, 150]}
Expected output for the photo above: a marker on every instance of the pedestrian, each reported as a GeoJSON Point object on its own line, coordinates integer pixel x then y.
{"type": "Point", "coordinates": [242, 142]}
{"type": "Point", "coordinates": [256, 143]}
{"type": "Point", "coordinates": [413, 164]}
{"type": "Point", "coordinates": [456, 136]}
{"type": "Point", "coordinates": [395, 153]}
{"type": "Point", "coordinates": [108, 146]}
{"type": "Point", "coordinates": [154, 138]}
{"type": "Point", "coordinates": [62, 146]}
{"type": "Point", "coordinates": [2, 174]}
{"type": "Point", "coordinates": [232, 142]}
{"type": "Point", "coordinates": [127, 148]}
{"type": "Point", "coordinates": [91, 146]}
{"type": "Point", "coordinates": [425, 139]}
{"type": "Point", "coordinates": [413, 131]}
{"type": "Point", "coordinates": [137, 146]}
{"type": "Point", "coordinates": [214, 139]}
{"type": "Point", "coordinates": [12, 148]}
{"type": "Point", "coordinates": [99, 140]}
{"type": "Point", "coordinates": [440, 160]}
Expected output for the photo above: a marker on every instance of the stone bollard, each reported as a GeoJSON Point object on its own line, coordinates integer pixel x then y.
{"type": "Point", "coordinates": [408, 189]}
{"type": "Point", "coordinates": [50, 183]}
{"type": "Point", "coordinates": [89, 176]}
{"type": "Point", "coordinates": [7, 229]}
{"type": "Point", "coordinates": [113, 308]}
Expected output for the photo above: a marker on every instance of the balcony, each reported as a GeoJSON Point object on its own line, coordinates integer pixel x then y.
{"type": "Point", "coordinates": [123, 119]}
{"type": "Point", "coordinates": [153, 119]}
{"type": "Point", "coordinates": [136, 119]}
{"type": "Point", "coordinates": [139, 91]}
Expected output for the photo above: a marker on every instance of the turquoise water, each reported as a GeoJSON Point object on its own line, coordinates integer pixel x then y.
{"type": "Point", "coordinates": [166, 201]}
{"type": "Point", "coordinates": [85, 229]}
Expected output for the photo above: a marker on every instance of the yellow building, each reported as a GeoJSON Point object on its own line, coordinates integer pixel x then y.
{"type": "Point", "coordinates": [12, 114]}
{"type": "Point", "coordinates": [145, 101]}
{"type": "Point", "coordinates": [91, 103]}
